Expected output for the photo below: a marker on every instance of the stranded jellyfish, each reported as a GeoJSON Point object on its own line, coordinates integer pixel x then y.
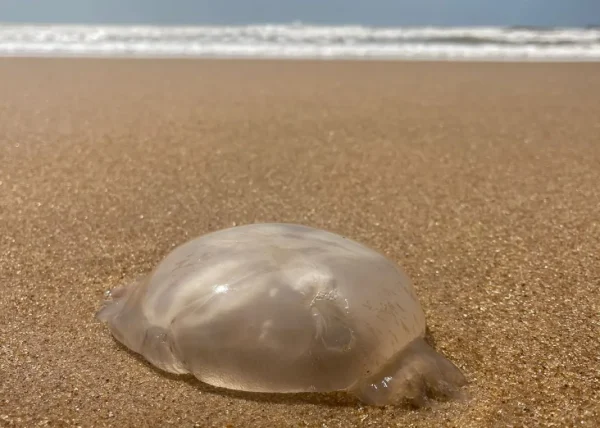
{"type": "Point", "coordinates": [283, 308]}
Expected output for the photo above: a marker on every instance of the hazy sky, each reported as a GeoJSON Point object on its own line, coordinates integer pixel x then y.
{"type": "Point", "coordinates": [366, 12]}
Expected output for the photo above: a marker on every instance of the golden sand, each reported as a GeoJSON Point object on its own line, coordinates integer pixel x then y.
{"type": "Point", "coordinates": [481, 180]}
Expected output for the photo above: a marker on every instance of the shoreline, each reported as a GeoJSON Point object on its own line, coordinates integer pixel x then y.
{"type": "Point", "coordinates": [375, 59]}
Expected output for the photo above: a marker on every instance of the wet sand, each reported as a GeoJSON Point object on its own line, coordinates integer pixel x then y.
{"type": "Point", "coordinates": [481, 180]}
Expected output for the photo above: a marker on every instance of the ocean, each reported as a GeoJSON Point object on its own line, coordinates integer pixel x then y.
{"type": "Point", "coordinates": [304, 41]}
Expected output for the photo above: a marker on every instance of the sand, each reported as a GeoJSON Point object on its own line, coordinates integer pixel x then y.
{"type": "Point", "coordinates": [481, 180]}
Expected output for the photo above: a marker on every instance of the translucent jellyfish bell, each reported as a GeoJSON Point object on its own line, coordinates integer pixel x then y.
{"type": "Point", "coordinates": [283, 308]}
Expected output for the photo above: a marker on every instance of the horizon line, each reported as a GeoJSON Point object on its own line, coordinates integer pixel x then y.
{"type": "Point", "coordinates": [293, 23]}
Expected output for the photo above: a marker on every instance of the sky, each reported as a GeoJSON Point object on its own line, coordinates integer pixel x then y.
{"type": "Point", "coordinates": [363, 12]}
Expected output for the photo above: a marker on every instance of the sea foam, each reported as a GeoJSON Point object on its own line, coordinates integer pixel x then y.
{"type": "Point", "coordinates": [303, 41]}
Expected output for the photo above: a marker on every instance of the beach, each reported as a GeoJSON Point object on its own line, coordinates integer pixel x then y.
{"type": "Point", "coordinates": [482, 180]}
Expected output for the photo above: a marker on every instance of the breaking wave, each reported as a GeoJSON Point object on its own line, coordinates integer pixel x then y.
{"type": "Point", "coordinates": [303, 41]}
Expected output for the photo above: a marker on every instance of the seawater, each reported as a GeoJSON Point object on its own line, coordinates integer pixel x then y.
{"type": "Point", "coordinates": [304, 41]}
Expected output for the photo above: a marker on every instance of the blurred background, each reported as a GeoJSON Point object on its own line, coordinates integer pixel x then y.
{"type": "Point", "coordinates": [429, 29]}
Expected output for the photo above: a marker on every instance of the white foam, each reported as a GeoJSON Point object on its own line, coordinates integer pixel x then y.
{"type": "Point", "coordinates": [302, 41]}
